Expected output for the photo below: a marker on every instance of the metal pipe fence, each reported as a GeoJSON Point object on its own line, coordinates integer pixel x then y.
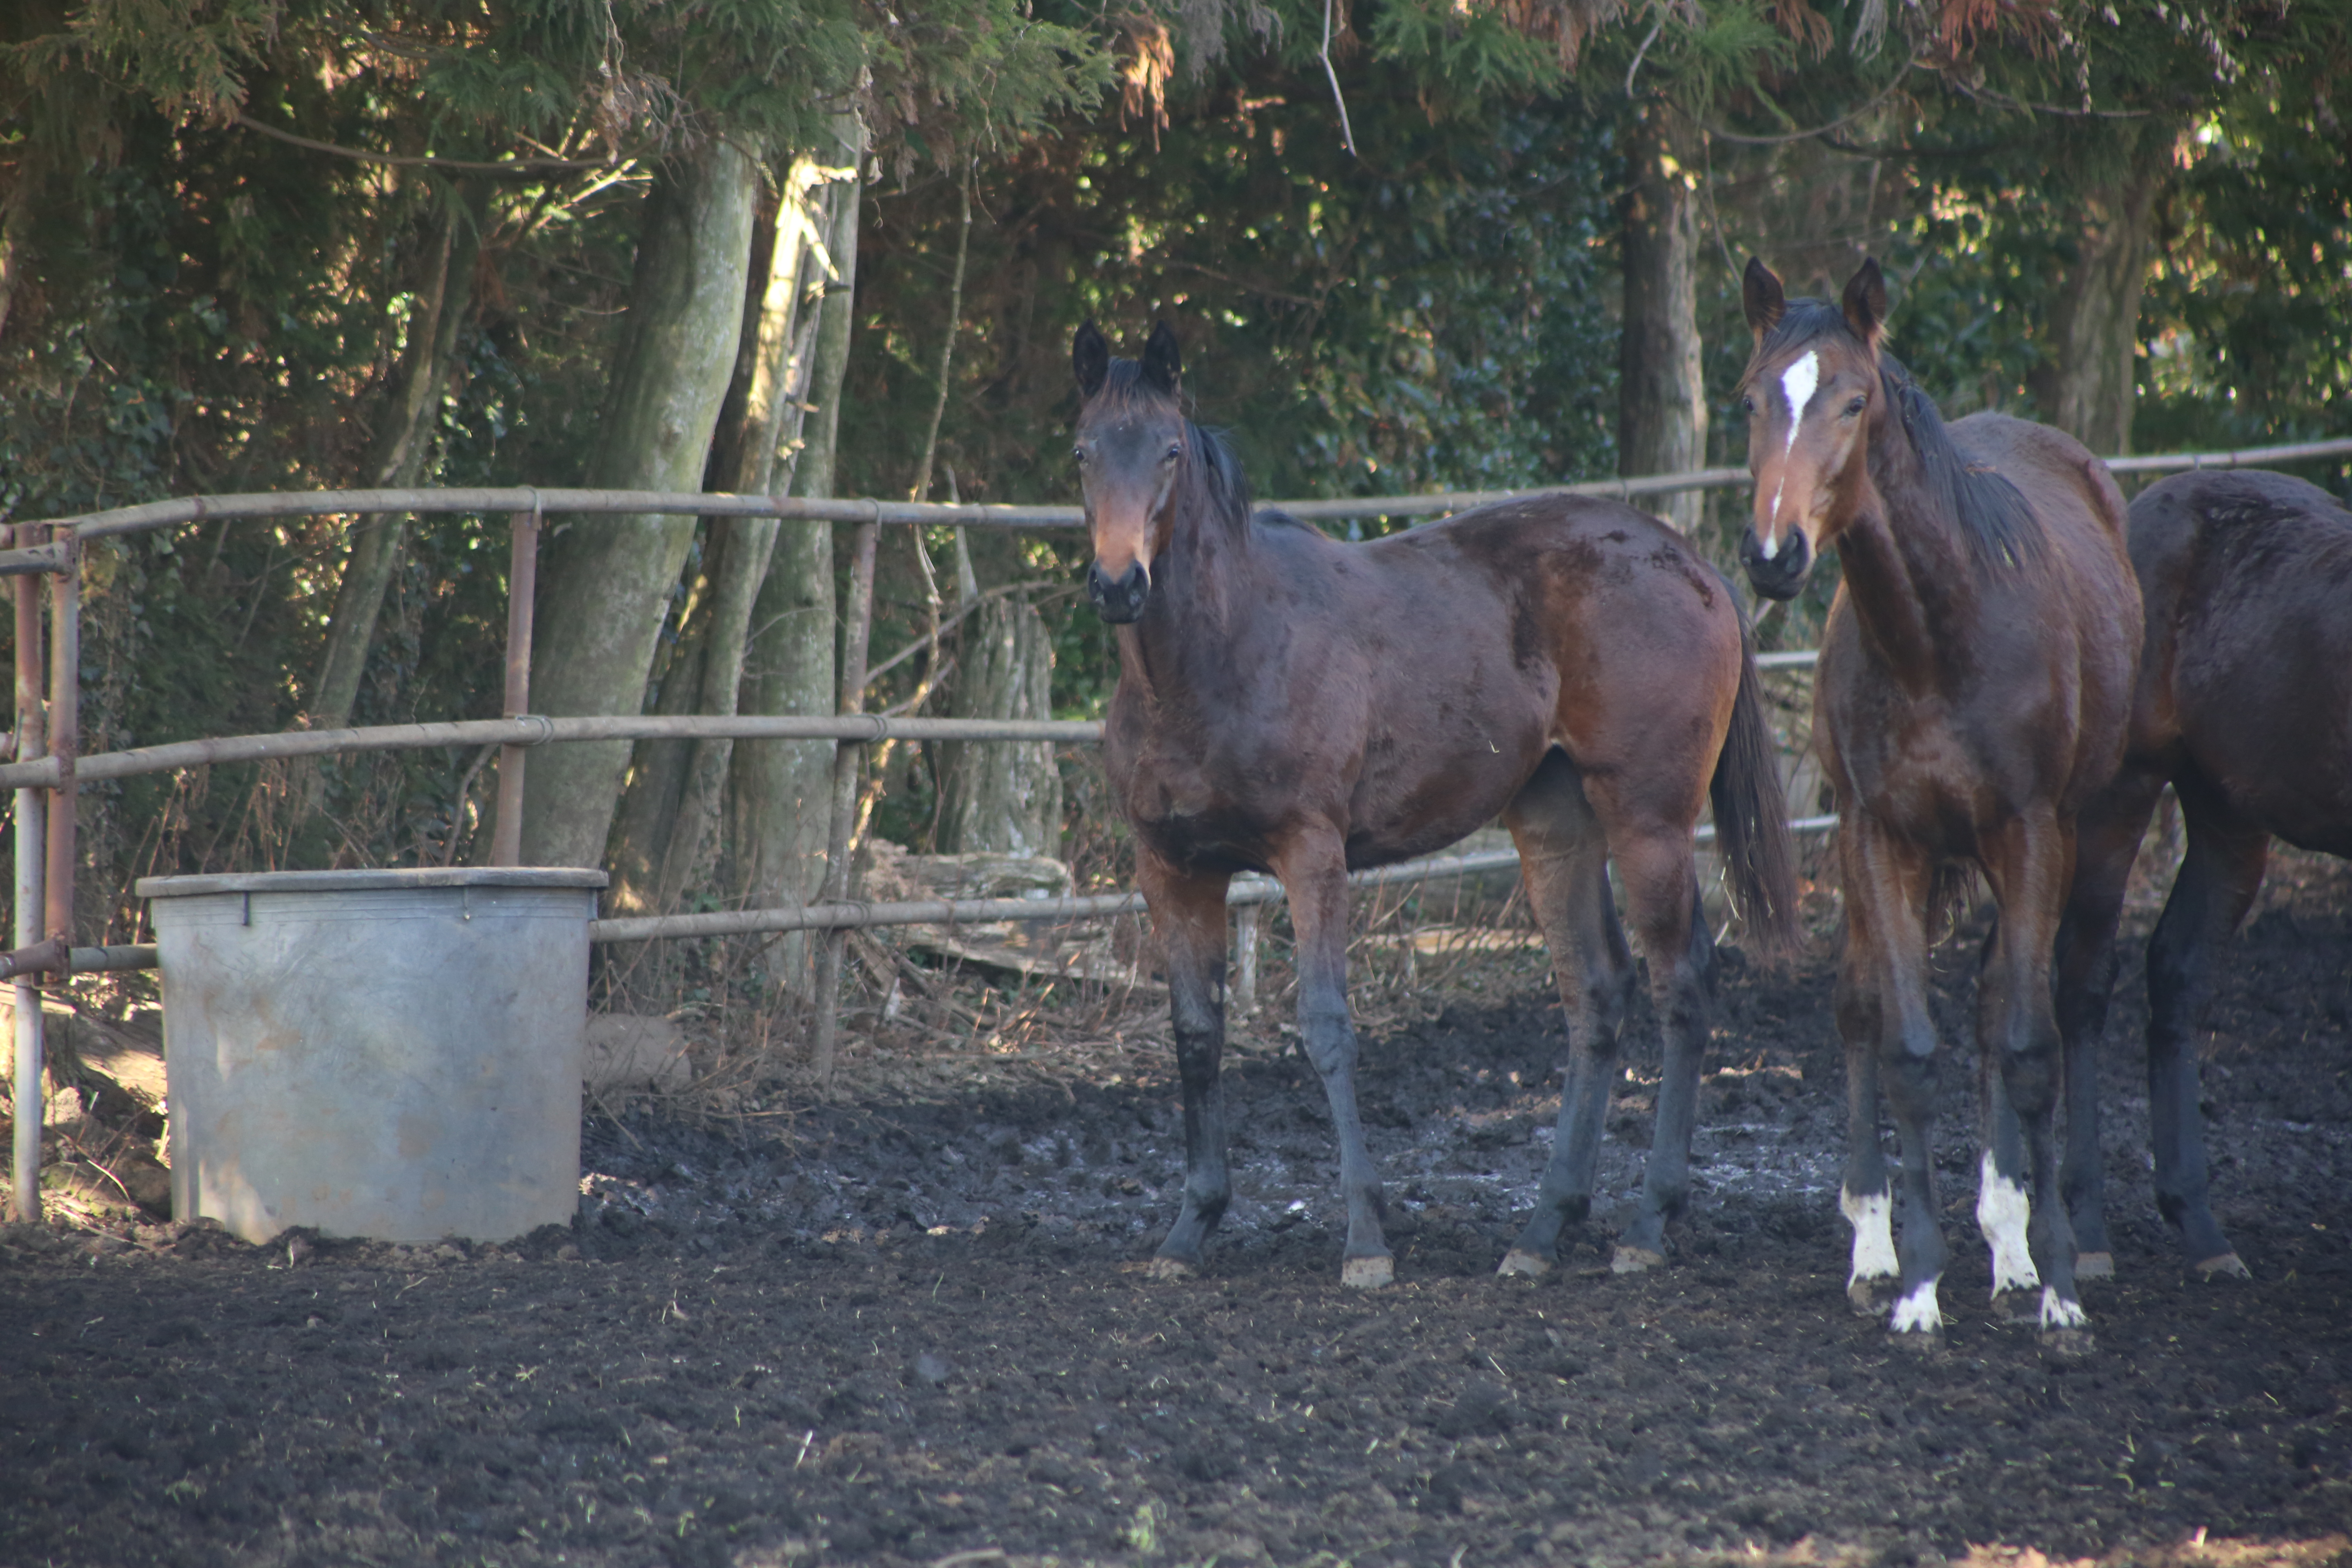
{"type": "Point", "coordinates": [46, 769]}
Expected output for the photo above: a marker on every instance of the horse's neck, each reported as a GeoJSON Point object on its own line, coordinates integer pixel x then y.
{"type": "Point", "coordinates": [1182, 649]}
{"type": "Point", "coordinates": [1908, 574]}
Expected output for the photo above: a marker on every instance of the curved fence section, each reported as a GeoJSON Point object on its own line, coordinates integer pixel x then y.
{"type": "Point", "coordinates": [46, 769]}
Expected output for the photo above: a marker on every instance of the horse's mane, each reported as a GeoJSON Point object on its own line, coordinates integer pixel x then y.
{"type": "Point", "coordinates": [1990, 511]}
{"type": "Point", "coordinates": [1214, 478]}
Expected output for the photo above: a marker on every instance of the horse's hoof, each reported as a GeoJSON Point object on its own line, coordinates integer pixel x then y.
{"type": "Point", "coordinates": [2017, 1306]}
{"type": "Point", "coordinates": [2229, 1266]}
{"type": "Point", "coordinates": [1169, 1268]}
{"type": "Point", "coordinates": [1635, 1260]}
{"type": "Point", "coordinates": [2068, 1342]}
{"type": "Point", "coordinates": [1923, 1341]}
{"type": "Point", "coordinates": [2095, 1265]}
{"type": "Point", "coordinates": [1868, 1298]}
{"type": "Point", "coordinates": [1520, 1261]}
{"type": "Point", "coordinates": [1367, 1273]}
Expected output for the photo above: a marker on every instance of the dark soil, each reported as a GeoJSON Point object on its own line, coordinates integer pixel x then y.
{"type": "Point", "coordinates": [922, 1332]}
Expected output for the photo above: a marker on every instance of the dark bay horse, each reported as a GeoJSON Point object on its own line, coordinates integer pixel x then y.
{"type": "Point", "coordinates": [1291, 704]}
{"type": "Point", "coordinates": [2244, 707]}
{"type": "Point", "coordinates": [1972, 694]}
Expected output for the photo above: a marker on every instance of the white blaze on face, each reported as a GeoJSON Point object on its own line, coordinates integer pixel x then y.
{"type": "Point", "coordinates": [2003, 1211]}
{"type": "Point", "coordinates": [1874, 1235]}
{"type": "Point", "coordinates": [1798, 383]}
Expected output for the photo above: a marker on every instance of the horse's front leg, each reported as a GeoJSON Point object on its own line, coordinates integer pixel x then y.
{"type": "Point", "coordinates": [1890, 1047]}
{"type": "Point", "coordinates": [2030, 865]}
{"type": "Point", "coordinates": [1187, 913]}
{"type": "Point", "coordinates": [1314, 873]}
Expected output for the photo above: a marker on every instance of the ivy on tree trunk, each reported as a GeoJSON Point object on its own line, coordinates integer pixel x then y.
{"type": "Point", "coordinates": [1662, 387]}
{"type": "Point", "coordinates": [610, 580]}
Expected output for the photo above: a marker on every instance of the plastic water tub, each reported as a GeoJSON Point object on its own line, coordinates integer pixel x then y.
{"type": "Point", "coordinates": [394, 1055]}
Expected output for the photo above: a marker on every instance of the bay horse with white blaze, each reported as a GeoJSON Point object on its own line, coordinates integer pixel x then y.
{"type": "Point", "coordinates": [1291, 704]}
{"type": "Point", "coordinates": [2244, 707]}
{"type": "Point", "coordinates": [1974, 683]}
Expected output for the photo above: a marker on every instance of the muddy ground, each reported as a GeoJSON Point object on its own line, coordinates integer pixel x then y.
{"type": "Point", "coordinates": [919, 1331]}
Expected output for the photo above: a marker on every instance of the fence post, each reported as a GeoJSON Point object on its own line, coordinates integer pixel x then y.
{"type": "Point", "coordinates": [1245, 959]}
{"type": "Point", "coordinates": [65, 743]}
{"type": "Point", "coordinates": [522, 590]}
{"type": "Point", "coordinates": [848, 760]}
{"type": "Point", "coordinates": [31, 861]}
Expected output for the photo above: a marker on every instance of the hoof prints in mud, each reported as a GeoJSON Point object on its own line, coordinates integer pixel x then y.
{"type": "Point", "coordinates": [919, 1330]}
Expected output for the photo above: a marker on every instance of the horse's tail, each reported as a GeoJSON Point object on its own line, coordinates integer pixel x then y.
{"type": "Point", "coordinates": [1751, 818]}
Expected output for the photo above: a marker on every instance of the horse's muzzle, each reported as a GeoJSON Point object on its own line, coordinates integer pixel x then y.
{"type": "Point", "coordinates": [1119, 601]}
{"type": "Point", "coordinates": [1782, 575]}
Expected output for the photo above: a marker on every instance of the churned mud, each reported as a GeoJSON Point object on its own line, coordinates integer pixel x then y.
{"type": "Point", "coordinates": [919, 1330]}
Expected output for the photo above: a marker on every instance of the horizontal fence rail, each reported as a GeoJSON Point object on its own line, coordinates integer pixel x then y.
{"type": "Point", "coordinates": [1244, 891]}
{"type": "Point", "coordinates": [153, 515]}
{"type": "Point", "coordinates": [534, 730]}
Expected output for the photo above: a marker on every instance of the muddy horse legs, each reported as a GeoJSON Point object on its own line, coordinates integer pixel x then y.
{"type": "Point", "coordinates": [1189, 914]}
{"type": "Point", "coordinates": [2106, 840]}
{"type": "Point", "coordinates": [1564, 852]}
{"type": "Point", "coordinates": [2030, 863]}
{"type": "Point", "coordinates": [1314, 874]}
{"type": "Point", "coordinates": [2219, 877]}
{"type": "Point", "coordinates": [1564, 864]}
{"type": "Point", "coordinates": [1890, 1046]}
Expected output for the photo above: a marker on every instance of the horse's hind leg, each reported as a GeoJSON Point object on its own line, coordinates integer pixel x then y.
{"type": "Point", "coordinates": [1189, 914]}
{"type": "Point", "coordinates": [1564, 863]}
{"type": "Point", "coordinates": [1314, 873]}
{"type": "Point", "coordinates": [1661, 893]}
{"type": "Point", "coordinates": [2106, 840]}
{"type": "Point", "coordinates": [2219, 877]}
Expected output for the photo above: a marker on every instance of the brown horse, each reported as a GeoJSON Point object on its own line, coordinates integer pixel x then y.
{"type": "Point", "coordinates": [2244, 707]}
{"type": "Point", "coordinates": [1291, 704]}
{"type": "Point", "coordinates": [1974, 684]}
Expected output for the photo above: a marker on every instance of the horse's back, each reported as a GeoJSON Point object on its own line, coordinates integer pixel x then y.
{"type": "Point", "coordinates": [2248, 664]}
{"type": "Point", "coordinates": [2082, 587]}
{"type": "Point", "coordinates": [2067, 486]}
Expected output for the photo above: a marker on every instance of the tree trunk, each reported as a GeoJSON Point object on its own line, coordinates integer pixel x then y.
{"type": "Point", "coordinates": [400, 456]}
{"type": "Point", "coordinates": [2084, 382]}
{"type": "Point", "coordinates": [656, 768]}
{"type": "Point", "coordinates": [1662, 386]}
{"type": "Point", "coordinates": [609, 580]}
{"type": "Point", "coordinates": [790, 309]}
{"type": "Point", "coordinates": [781, 789]}
{"type": "Point", "coordinates": [1002, 797]}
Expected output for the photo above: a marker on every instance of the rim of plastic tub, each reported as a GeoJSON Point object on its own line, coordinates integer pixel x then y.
{"type": "Point", "coordinates": [370, 881]}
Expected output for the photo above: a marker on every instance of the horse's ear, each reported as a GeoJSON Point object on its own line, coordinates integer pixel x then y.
{"type": "Point", "coordinates": [1866, 302]}
{"type": "Point", "coordinates": [1761, 295]}
{"type": "Point", "coordinates": [1090, 360]}
{"type": "Point", "coordinates": [1162, 364]}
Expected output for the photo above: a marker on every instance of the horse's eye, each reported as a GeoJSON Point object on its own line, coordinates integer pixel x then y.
{"type": "Point", "coordinates": [1747, 405]}
{"type": "Point", "coordinates": [1856, 406]}
{"type": "Point", "coordinates": [1174, 452]}
{"type": "Point", "coordinates": [1079, 453]}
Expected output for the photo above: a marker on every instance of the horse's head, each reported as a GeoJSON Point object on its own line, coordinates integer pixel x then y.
{"type": "Point", "coordinates": [1807, 392]}
{"type": "Point", "coordinates": [1131, 449]}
